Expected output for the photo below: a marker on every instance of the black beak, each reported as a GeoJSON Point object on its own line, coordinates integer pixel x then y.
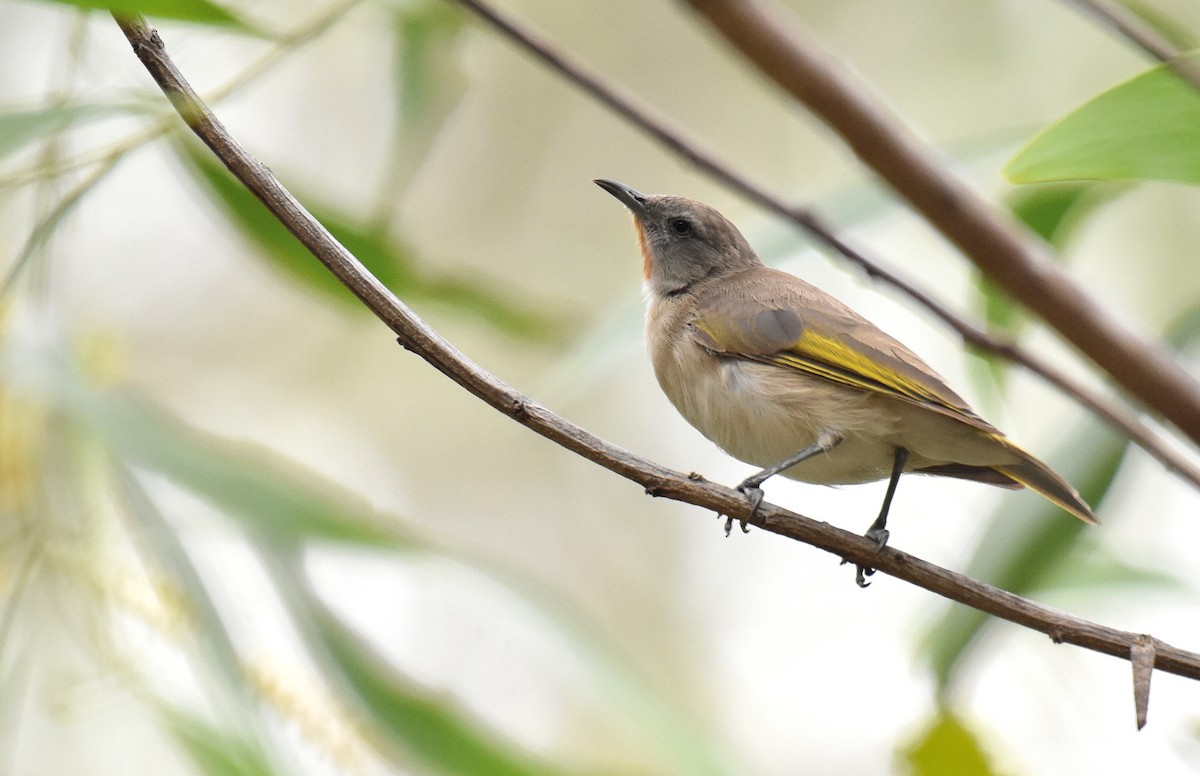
{"type": "Point", "coordinates": [629, 197]}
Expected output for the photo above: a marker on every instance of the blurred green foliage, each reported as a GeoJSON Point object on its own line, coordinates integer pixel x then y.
{"type": "Point", "coordinates": [55, 414]}
{"type": "Point", "coordinates": [1147, 128]}
{"type": "Point", "coordinates": [947, 746]}
{"type": "Point", "coordinates": [385, 257]}
{"type": "Point", "coordinates": [194, 11]}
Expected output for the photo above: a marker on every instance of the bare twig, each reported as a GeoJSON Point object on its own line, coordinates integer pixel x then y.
{"type": "Point", "coordinates": [105, 160]}
{"type": "Point", "coordinates": [1128, 25]}
{"type": "Point", "coordinates": [1141, 657]}
{"type": "Point", "coordinates": [1008, 254]}
{"type": "Point", "coordinates": [675, 140]}
{"type": "Point", "coordinates": [418, 337]}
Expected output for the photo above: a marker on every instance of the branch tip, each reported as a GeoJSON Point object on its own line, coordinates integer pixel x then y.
{"type": "Point", "coordinates": [1142, 654]}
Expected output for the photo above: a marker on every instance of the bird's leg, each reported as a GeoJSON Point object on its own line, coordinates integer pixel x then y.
{"type": "Point", "coordinates": [751, 487]}
{"type": "Point", "coordinates": [878, 532]}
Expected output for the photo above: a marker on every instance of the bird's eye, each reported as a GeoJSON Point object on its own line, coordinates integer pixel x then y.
{"type": "Point", "coordinates": [680, 226]}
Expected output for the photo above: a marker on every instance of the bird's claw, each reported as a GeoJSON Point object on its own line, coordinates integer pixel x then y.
{"type": "Point", "coordinates": [754, 494]}
{"type": "Point", "coordinates": [860, 575]}
{"type": "Point", "coordinates": [729, 525]}
{"type": "Point", "coordinates": [861, 572]}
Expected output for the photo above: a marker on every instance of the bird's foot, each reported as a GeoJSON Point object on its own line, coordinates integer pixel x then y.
{"type": "Point", "coordinates": [860, 575]}
{"type": "Point", "coordinates": [754, 495]}
{"type": "Point", "coordinates": [878, 535]}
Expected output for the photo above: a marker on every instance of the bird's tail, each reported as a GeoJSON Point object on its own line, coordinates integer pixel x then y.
{"type": "Point", "coordinates": [1037, 476]}
{"type": "Point", "coordinates": [1028, 472]}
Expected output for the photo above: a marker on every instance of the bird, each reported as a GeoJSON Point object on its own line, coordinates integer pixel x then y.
{"type": "Point", "coordinates": [783, 376]}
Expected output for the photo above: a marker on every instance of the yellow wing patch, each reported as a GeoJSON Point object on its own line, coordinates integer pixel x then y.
{"type": "Point", "coordinates": [836, 360]}
{"type": "Point", "coordinates": [781, 338]}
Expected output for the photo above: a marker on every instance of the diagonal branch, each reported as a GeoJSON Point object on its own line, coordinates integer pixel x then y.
{"type": "Point", "coordinates": [1006, 253]}
{"type": "Point", "coordinates": [1130, 26]}
{"type": "Point", "coordinates": [419, 338]}
{"type": "Point", "coordinates": [1127, 24]}
{"type": "Point", "coordinates": [675, 140]}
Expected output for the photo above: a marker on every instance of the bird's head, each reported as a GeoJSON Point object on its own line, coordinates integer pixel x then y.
{"type": "Point", "coordinates": [683, 241]}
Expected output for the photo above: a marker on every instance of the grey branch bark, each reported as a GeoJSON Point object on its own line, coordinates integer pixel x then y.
{"type": "Point", "coordinates": [1130, 26]}
{"type": "Point", "coordinates": [1127, 24]}
{"type": "Point", "coordinates": [657, 480]}
{"type": "Point", "coordinates": [1007, 253]}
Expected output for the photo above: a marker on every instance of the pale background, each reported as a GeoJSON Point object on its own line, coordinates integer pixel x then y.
{"type": "Point", "coordinates": [764, 644]}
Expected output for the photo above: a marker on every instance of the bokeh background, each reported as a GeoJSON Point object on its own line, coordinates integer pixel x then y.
{"type": "Point", "coordinates": [242, 531]}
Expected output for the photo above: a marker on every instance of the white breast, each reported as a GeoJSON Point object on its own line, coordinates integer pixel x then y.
{"type": "Point", "coordinates": [762, 414]}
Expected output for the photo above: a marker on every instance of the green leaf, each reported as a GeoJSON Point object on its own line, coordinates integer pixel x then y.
{"type": "Point", "coordinates": [1184, 331]}
{"type": "Point", "coordinates": [947, 748]}
{"type": "Point", "coordinates": [18, 128]}
{"type": "Point", "coordinates": [196, 11]}
{"type": "Point", "coordinates": [216, 752]}
{"type": "Point", "coordinates": [1147, 128]}
{"type": "Point", "coordinates": [268, 496]}
{"type": "Point", "coordinates": [418, 725]}
{"type": "Point", "coordinates": [278, 513]}
{"type": "Point", "coordinates": [393, 264]}
{"type": "Point", "coordinates": [1024, 550]}
{"type": "Point", "coordinates": [1098, 570]}
{"type": "Point", "coordinates": [1177, 34]}
{"type": "Point", "coordinates": [428, 76]}
{"type": "Point", "coordinates": [1029, 552]}
{"type": "Point", "coordinates": [163, 544]}
{"type": "Point", "coordinates": [1000, 312]}
{"type": "Point", "coordinates": [1054, 211]}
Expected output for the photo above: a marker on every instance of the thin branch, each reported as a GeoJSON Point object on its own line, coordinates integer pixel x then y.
{"type": "Point", "coordinates": [283, 45]}
{"type": "Point", "coordinates": [45, 228]}
{"type": "Point", "coordinates": [676, 141]}
{"type": "Point", "coordinates": [1127, 24]}
{"type": "Point", "coordinates": [1130, 26]}
{"type": "Point", "coordinates": [1007, 253]}
{"type": "Point", "coordinates": [106, 160]}
{"type": "Point", "coordinates": [419, 338]}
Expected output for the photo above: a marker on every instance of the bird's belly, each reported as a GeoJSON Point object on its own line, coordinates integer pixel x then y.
{"type": "Point", "coordinates": [762, 414]}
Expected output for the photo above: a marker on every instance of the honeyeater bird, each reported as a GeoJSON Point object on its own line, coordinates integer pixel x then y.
{"type": "Point", "coordinates": [781, 375]}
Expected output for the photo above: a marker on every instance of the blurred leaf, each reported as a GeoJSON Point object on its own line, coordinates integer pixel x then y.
{"type": "Point", "coordinates": [21, 127]}
{"type": "Point", "coordinates": [1029, 552]}
{"type": "Point", "coordinates": [393, 265]}
{"type": "Point", "coordinates": [428, 76]}
{"type": "Point", "coordinates": [1184, 330]}
{"type": "Point", "coordinates": [1098, 570]}
{"type": "Point", "coordinates": [267, 495]}
{"type": "Point", "coordinates": [280, 505]}
{"type": "Point", "coordinates": [196, 11]}
{"type": "Point", "coordinates": [216, 752]}
{"type": "Point", "coordinates": [1053, 211]}
{"type": "Point", "coordinates": [1147, 128]}
{"type": "Point", "coordinates": [1024, 553]}
{"type": "Point", "coordinates": [947, 748]}
{"type": "Point", "coordinates": [276, 243]}
{"type": "Point", "coordinates": [692, 751]}
{"type": "Point", "coordinates": [1025, 548]}
{"type": "Point", "coordinates": [162, 543]}
{"type": "Point", "coordinates": [1177, 34]}
{"type": "Point", "coordinates": [417, 724]}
